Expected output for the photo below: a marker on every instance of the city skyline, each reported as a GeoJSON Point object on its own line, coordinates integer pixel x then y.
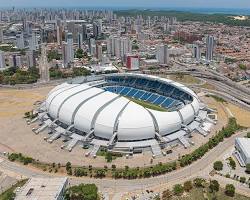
{"type": "Point", "coordinates": [130, 99]}
{"type": "Point", "coordinates": [129, 3]}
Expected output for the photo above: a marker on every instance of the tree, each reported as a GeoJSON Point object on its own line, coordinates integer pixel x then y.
{"type": "Point", "coordinates": [242, 66]}
{"type": "Point", "coordinates": [230, 190]}
{"type": "Point", "coordinates": [100, 173]}
{"type": "Point", "coordinates": [242, 179]}
{"type": "Point", "coordinates": [248, 135]}
{"type": "Point", "coordinates": [166, 194]}
{"type": "Point", "coordinates": [108, 157]}
{"type": "Point", "coordinates": [135, 47]}
{"type": "Point", "coordinates": [79, 172]}
{"type": "Point", "coordinates": [199, 182]}
{"type": "Point", "coordinates": [232, 163]}
{"type": "Point", "coordinates": [218, 165]}
{"type": "Point", "coordinates": [214, 186]}
{"type": "Point", "coordinates": [188, 186]}
{"type": "Point", "coordinates": [82, 191]}
{"type": "Point", "coordinates": [53, 54]}
{"type": "Point", "coordinates": [79, 53]}
{"type": "Point", "coordinates": [248, 168]}
{"type": "Point", "coordinates": [55, 73]}
{"type": "Point", "coordinates": [80, 71]}
{"type": "Point", "coordinates": [68, 166]}
{"type": "Point", "coordinates": [178, 189]}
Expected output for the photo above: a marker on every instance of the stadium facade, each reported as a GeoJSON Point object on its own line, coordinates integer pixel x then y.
{"type": "Point", "coordinates": [100, 112]}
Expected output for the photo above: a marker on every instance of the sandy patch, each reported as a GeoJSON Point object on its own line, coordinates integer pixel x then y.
{"type": "Point", "coordinates": [242, 116]}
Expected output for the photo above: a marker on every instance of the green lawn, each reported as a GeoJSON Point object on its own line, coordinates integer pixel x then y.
{"type": "Point", "coordinates": [148, 105]}
{"type": "Point", "coordinates": [9, 194]}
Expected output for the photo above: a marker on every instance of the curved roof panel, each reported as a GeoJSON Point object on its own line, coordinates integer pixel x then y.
{"type": "Point", "coordinates": [187, 113]}
{"type": "Point", "coordinates": [60, 99]}
{"type": "Point", "coordinates": [105, 122]}
{"type": "Point", "coordinates": [70, 107]}
{"type": "Point", "coordinates": [57, 92]}
{"type": "Point", "coordinates": [135, 123]}
{"type": "Point", "coordinates": [167, 123]}
{"type": "Point", "coordinates": [85, 115]}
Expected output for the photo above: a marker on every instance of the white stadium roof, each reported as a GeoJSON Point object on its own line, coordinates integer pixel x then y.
{"type": "Point", "coordinates": [89, 108]}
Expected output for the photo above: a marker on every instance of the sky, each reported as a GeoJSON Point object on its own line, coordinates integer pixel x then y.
{"type": "Point", "coordinates": [129, 3]}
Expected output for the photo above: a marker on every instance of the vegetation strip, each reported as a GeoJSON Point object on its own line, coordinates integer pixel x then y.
{"type": "Point", "coordinates": [10, 193]}
{"type": "Point", "coordinates": [138, 172]}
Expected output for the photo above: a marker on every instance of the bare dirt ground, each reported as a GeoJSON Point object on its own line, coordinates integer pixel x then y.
{"type": "Point", "coordinates": [243, 116]}
{"type": "Point", "coordinates": [17, 136]}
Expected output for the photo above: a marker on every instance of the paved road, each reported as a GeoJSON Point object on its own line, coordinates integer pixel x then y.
{"type": "Point", "coordinates": [6, 182]}
{"type": "Point", "coordinates": [198, 168]}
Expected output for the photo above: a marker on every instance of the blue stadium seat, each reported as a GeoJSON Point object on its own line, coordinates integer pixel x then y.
{"type": "Point", "coordinates": [131, 86]}
{"type": "Point", "coordinates": [153, 97]}
{"type": "Point", "coordinates": [125, 90]}
{"type": "Point", "coordinates": [159, 100]}
{"type": "Point", "coordinates": [132, 92]}
{"type": "Point", "coordinates": [119, 89]}
{"type": "Point", "coordinates": [139, 94]}
{"type": "Point", "coordinates": [146, 96]}
{"type": "Point", "coordinates": [167, 102]}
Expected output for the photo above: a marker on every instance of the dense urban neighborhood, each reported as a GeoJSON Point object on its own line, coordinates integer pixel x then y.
{"type": "Point", "coordinates": [118, 104]}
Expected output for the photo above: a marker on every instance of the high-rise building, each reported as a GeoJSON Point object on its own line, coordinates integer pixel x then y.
{"type": "Point", "coordinates": [99, 52]}
{"type": "Point", "coordinates": [79, 41]}
{"type": "Point", "coordinates": [117, 44]}
{"type": "Point", "coordinates": [18, 61]}
{"type": "Point", "coordinates": [69, 49]}
{"type": "Point", "coordinates": [119, 47]}
{"type": "Point", "coordinates": [210, 44]}
{"type": "Point", "coordinates": [2, 59]}
{"type": "Point", "coordinates": [64, 54]}
{"type": "Point", "coordinates": [196, 52]}
{"type": "Point", "coordinates": [72, 30]}
{"type": "Point", "coordinates": [166, 27]}
{"type": "Point", "coordinates": [132, 62]}
{"type": "Point", "coordinates": [125, 47]}
{"type": "Point", "coordinates": [1, 36]}
{"type": "Point", "coordinates": [84, 32]}
{"type": "Point", "coordinates": [149, 21]}
{"type": "Point", "coordinates": [59, 35]}
{"type": "Point", "coordinates": [31, 58]}
{"type": "Point", "coordinates": [14, 62]}
{"type": "Point", "coordinates": [111, 46]}
{"type": "Point", "coordinates": [162, 54]}
{"type": "Point", "coordinates": [33, 42]}
{"type": "Point", "coordinates": [20, 41]}
{"type": "Point", "coordinates": [92, 47]}
{"type": "Point", "coordinates": [173, 20]}
{"type": "Point", "coordinates": [97, 29]}
{"type": "Point", "coordinates": [44, 65]}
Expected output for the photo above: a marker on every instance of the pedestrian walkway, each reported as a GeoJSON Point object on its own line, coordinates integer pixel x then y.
{"type": "Point", "coordinates": [156, 150]}
{"type": "Point", "coordinates": [184, 141]}
{"type": "Point", "coordinates": [94, 150]}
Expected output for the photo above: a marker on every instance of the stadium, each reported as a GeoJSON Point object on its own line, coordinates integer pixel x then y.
{"type": "Point", "coordinates": [122, 112]}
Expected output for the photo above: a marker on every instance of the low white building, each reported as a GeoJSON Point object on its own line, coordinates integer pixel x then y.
{"type": "Point", "coordinates": [43, 189]}
{"type": "Point", "coordinates": [242, 146]}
